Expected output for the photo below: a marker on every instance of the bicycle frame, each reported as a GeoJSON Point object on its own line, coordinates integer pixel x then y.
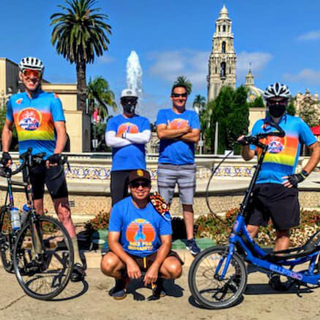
{"type": "Point", "coordinates": [240, 237]}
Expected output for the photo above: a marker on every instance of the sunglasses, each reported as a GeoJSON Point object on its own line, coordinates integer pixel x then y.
{"type": "Point", "coordinates": [177, 95]}
{"type": "Point", "coordinates": [278, 103]}
{"type": "Point", "coordinates": [137, 184]}
{"type": "Point", "coordinates": [29, 72]}
{"type": "Point", "coordinates": [129, 100]}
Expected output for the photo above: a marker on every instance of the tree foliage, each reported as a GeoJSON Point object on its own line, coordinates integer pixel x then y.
{"type": "Point", "coordinates": [291, 110]}
{"type": "Point", "coordinates": [309, 110]}
{"type": "Point", "coordinates": [79, 34]}
{"type": "Point", "coordinates": [231, 110]}
{"type": "Point", "coordinates": [184, 81]}
{"type": "Point", "coordinates": [257, 103]}
{"type": "Point", "coordinates": [100, 96]}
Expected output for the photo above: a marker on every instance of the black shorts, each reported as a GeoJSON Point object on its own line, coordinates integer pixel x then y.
{"type": "Point", "coordinates": [119, 185]}
{"type": "Point", "coordinates": [271, 200]}
{"type": "Point", "coordinates": [40, 176]}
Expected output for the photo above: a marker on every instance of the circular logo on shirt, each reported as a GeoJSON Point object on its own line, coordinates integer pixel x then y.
{"type": "Point", "coordinates": [29, 119]}
{"type": "Point", "coordinates": [128, 127]}
{"type": "Point", "coordinates": [140, 230]}
{"type": "Point", "coordinates": [178, 123]}
{"type": "Point", "coordinates": [275, 144]}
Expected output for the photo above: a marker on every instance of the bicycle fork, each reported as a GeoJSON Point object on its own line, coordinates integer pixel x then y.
{"type": "Point", "coordinates": [226, 258]}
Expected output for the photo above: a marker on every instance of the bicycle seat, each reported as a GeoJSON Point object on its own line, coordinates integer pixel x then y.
{"type": "Point", "coordinates": [312, 245]}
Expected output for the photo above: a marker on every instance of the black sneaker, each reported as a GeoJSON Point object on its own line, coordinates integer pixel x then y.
{"type": "Point", "coordinates": [78, 273]}
{"type": "Point", "coordinates": [157, 289]}
{"type": "Point", "coordinates": [192, 247]}
{"type": "Point", "coordinates": [119, 290]}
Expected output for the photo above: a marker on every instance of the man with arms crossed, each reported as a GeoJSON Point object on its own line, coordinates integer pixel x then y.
{"type": "Point", "coordinates": [178, 130]}
{"type": "Point", "coordinates": [37, 115]}
{"type": "Point", "coordinates": [140, 240]}
{"type": "Point", "coordinates": [276, 192]}
{"type": "Point", "coordinates": [127, 135]}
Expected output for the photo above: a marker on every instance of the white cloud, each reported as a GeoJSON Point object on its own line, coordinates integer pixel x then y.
{"type": "Point", "coordinates": [308, 76]}
{"type": "Point", "coordinates": [258, 60]}
{"type": "Point", "coordinates": [105, 59]}
{"type": "Point", "coordinates": [169, 65]}
{"type": "Point", "coordinates": [309, 36]}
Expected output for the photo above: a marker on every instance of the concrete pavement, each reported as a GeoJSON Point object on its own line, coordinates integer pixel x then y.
{"type": "Point", "coordinates": [91, 300]}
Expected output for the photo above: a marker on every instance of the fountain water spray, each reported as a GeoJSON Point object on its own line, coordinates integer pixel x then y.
{"type": "Point", "coordinates": [134, 73]}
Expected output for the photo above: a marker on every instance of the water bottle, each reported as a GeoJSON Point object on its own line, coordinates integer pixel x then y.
{"type": "Point", "coordinates": [15, 219]}
{"type": "Point", "coordinates": [24, 214]}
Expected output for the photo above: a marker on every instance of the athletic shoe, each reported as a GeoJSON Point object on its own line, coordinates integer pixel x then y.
{"type": "Point", "coordinates": [192, 247]}
{"type": "Point", "coordinates": [157, 289]}
{"type": "Point", "coordinates": [119, 290]}
{"type": "Point", "coordinates": [78, 273]}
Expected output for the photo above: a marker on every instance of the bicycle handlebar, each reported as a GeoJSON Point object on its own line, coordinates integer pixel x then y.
{"type": "Point", "coordinates": [28, 159]}
{"type": "Point", "coordinates": [255, 140]}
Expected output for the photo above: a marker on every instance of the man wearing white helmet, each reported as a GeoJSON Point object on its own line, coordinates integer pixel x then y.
{"type": "Point", "coordinates": [276, 193]}
{"type": "Point", "coordinates": [127, 135]}
{"type": "Point", "coordinates": [40, 124]}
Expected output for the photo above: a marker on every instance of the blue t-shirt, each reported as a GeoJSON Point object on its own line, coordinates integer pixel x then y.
{"type": "Point", "coordinates": [34, 120]}
{"type": "Point", "coordinates": [172, 151]}
{"type": "Point", "coordinates": [132, 156]}
{"type": "Point", "coordinates": [283, 153]}
{"type": "Point", "coordinates": [140, 228]}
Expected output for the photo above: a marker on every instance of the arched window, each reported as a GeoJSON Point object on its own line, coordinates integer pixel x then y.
{"type": "Point", "coordinates": [223, 69]}
{"type": "Point", "coordinates": [223, 47]}
{"type": "Point", "coordinates": [216, 70]}
{"type": "Point", "coordinates": [219, 28]}
{"type": "Point", "coordinates": [224, 28]}
{"type": "Point", "coordinates": [230, 70]}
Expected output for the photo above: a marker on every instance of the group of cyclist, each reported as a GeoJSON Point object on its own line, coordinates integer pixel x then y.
{"type": "Point", "coordinates": [140, 229]}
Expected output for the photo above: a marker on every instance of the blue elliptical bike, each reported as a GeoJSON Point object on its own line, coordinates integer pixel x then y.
{"type": "Point", "coordinates": [218, 275]}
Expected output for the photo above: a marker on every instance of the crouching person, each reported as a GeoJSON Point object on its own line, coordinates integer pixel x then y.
{"type": "Point", "coordinates": [140, 240]}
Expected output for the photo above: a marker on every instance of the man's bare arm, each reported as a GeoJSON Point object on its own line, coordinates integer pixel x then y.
{"type": "Point", "coordinates": [193, 136]}
{"type": "Point", "coordinates": [7, 135]}
{"type": "Point", "coordinates": [166, 133]}
{"type": "Point", "coordinates": [60, 127]}
{"type": "Point", "coordinates": [314, 158]}
{"type": "Point", "coordinates": [133, 269]}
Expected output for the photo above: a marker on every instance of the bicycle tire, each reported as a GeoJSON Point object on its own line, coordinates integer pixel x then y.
{"type": "Point", "coordinates": [213, 293]}
{"type": "Point", "coordinates": [36, 273]}
{"type": "Point", "coordinates": [6, 245]}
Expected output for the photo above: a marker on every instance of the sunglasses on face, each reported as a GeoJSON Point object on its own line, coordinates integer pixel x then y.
{"type": "Point", "coordinates": [278, 103]}
{"type": "Point", "coordinates": [137, 184]}
{"type": "Point", "coordinates": [29, 72]}
{"type": "Point", "coordinates": [177, 95]}
{"type": "Point", "coordinates": [129, 101]}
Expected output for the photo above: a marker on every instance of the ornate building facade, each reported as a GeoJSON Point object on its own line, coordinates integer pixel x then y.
{"type": "Point", "coordinates": [222, 61]}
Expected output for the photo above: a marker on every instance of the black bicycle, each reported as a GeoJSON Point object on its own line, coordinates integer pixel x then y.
{"type": "Point", "coordinates": [40, 253]}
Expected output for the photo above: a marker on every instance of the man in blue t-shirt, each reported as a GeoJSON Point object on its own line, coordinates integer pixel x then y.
{"type": "Point", "coordinates": [140, 240]}
{"type": "Point", "coordinates": [179, 130]}
{"type": "Point", "coordinates": [127, 135]}
{"type": "Point", "coordinates": [275, 194]}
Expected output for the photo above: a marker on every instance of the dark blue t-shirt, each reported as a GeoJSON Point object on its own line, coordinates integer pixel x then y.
{"type": "Point", "coordinates": [140, 228]}
{"type": "Point", "coordinates": [132, 156]}
{"type": "Point", "coordinates": [172, 151]}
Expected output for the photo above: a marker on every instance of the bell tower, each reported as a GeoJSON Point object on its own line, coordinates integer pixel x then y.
{"type": "Point", "coordinates": [222, 61]}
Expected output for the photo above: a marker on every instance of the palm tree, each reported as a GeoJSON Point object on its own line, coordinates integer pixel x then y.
{"type": "Point", "coordinates": [100, 95]}
{"type": "Point", "coordinates": [79, 34]}
{"type": "Point", "coordinates": [199, 102]}
{"type": "Point", "coordinates": [184, 81]}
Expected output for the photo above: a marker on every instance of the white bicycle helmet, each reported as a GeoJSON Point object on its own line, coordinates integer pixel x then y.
{"type": "Point", "coordinates": [31, 63]}
{"type": "Point", "coordinates": [277, 90]}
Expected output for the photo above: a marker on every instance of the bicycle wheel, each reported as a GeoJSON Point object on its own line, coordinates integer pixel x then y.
{"type": "Point", "coordinates": [207, 289]}
{"type": "Point", "coordinates": [6, 240]}
{"type": "Point", "coordinates": [43, 267]}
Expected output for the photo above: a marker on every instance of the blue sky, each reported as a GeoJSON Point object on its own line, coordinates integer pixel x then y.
{"type": "Point", "coordinates": [174, 37]}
